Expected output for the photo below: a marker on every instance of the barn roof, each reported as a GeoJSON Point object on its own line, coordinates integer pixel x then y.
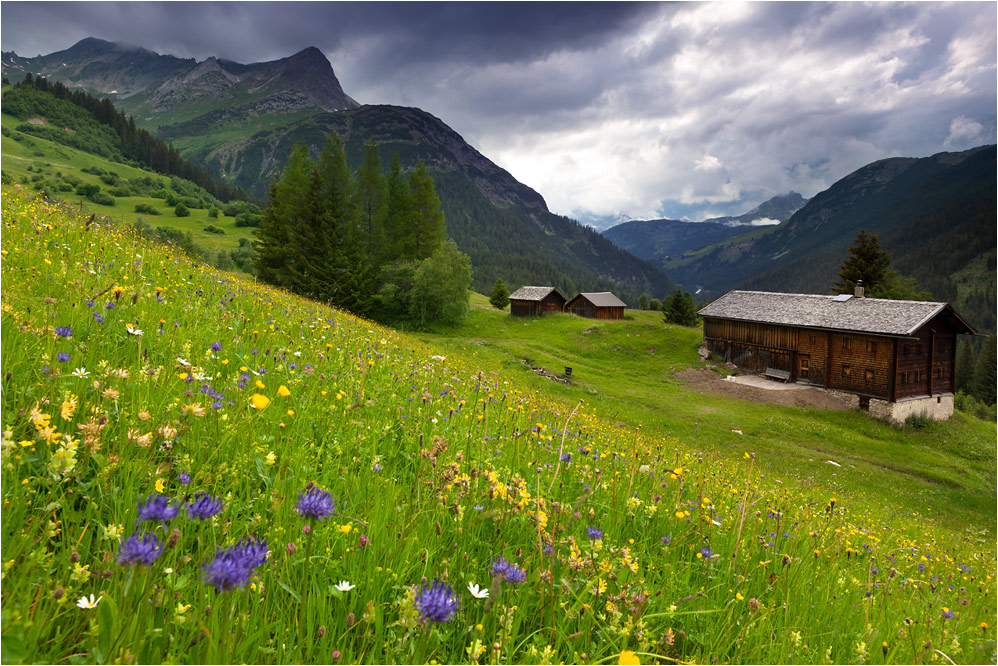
{"type": "Point", "coordinates": [533, 293]}
{"type": "Point", "coordinates": [878, 316]}
{"type": "Point", "coordinates": [602, 299]}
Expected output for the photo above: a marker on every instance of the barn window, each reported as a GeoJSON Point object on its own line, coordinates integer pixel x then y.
{"type": "Point", "coordinates": [813, 339]}
{"type": "Point", "coordinates": [871, 346]}
{"type": "Point", "coordinates": [870, 375]}
{"type": "Point", "coordinates": [846, 370]}
{"type": "Point", "coordinates": [846, 343]}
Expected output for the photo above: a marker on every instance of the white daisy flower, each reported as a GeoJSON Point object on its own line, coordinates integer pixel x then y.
{"type": "Point", "coordinates": [80, 372]}
{"type": "Point", "coordinates": [478, 592]}
{"type": "Point", "coordinates": [344, 586]}
{"type": "Point", "coordinates": [84, 602]}
{"type": "Point", "coordinates": [132, 330]}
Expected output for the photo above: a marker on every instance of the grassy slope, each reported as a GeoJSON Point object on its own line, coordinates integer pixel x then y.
{"type": "Point", "coordinates": [52, 157]}
{"type": "Point", "coordinates": [625, 370]}
{"type": "Point", "coordinates": [675, 577]}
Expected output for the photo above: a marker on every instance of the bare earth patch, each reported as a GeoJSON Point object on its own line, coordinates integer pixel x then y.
{"type": "Point", "coordinates": [708, 381]}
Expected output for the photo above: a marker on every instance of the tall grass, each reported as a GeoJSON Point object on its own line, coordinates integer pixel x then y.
{"type": "Point", "coordinates": [132, 372]}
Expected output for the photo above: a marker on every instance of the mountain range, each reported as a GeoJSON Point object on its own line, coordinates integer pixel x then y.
{"type": "Point", "coordinates": [660, 240]}
{"type": "Point", "coordinates": [241, 122]}
{"type": "Point", "coordinates": [936, 215]}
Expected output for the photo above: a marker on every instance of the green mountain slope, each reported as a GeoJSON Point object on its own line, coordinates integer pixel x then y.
{"type": "Point", "coordinates": [936, 215]}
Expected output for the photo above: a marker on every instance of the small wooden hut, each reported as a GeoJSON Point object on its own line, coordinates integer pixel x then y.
{"type": "Point", "coordinates": [535, 301]}
{"type": "Point", "coordinates": [597, 305]}
{"type": "Point", "coordinates": [897, 357]}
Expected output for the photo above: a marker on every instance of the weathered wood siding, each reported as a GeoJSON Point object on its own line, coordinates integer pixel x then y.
{"type": "Point", "coordinates": [553, 302]}
{"type": "Point", "coordinates": [813, 347]}
{"type": "Point", "coordinates": [751, 345]}
{"type": "Point", "coordinates": [585, 308]}
{"type": "Point", "coordinates": [860, 364]}
{"type": "Point", "coordinates": [524, 308]}
{"type": "Point", "coordinates": [925, 363]}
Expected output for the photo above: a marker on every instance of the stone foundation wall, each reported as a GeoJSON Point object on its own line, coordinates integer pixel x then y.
{"type": "Point", "coordinates": [938, 408]}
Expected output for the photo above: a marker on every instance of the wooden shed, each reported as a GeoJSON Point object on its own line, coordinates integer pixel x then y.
{"type": "Point", "coordinates": [535, 301]}
{"type": "Point", "coordinates": [876, 349]}
{"type": "Point", "coordinates": [597, 305]}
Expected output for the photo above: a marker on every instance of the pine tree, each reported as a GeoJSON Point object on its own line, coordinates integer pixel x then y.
{"type": "Point", "coordinates": [866, 262]}
{"type": "Point", "coordinates": [398, 214]}
{"type": "Point", "coordinates": [680, 309]}
{"type": "Point", "coordinates": [372, 202]}
{"type": "Point", "coordinates": [428, 230]}
{"type": "Point", "coordinates": [500, 295]}
{"type": "Point", "coordinates": [964, 365]}
{"type": "Point", "coordinates": [276, 255]}
{"type": "Point", "coordinates": [983, 384]}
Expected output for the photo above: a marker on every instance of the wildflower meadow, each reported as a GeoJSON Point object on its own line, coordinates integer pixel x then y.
{"type": "Point", "coordinates": [198, 468]}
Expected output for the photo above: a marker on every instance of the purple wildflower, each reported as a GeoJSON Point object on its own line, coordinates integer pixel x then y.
{"type": "Point", "coordinates": [947, 613]}
{"type": "Point", "coordinates": [707, 553]}
{"type": "Point", "coordinates": [594, 533]}
{"type": "Point", "coordinates": [233, 567]}
{"type": "Point", "coordinates": [184, 478]}
{"type": "Point", "coordinates": [64, 332]}
{"type": "Point", "coordinates": [203, 507]}
{"type": "Point", "coordinates": [157, 507]}
{"type": "Point", "coordinates": [136, 549]}
{"type": "Point", "coordinates": [98, 316]}
{"type": "Point", "coordinates": [109, 305]}
{"type": "Point", "coordinates": [436, 602]}
{"type": "Point", "coordinates": [62, 357]}
{"type": "Point", "coordinates": [315, 503]}
{"type": "Point", "coordinates": [509, 571]}
{"type": "Point", "coordinates": [216, 346]}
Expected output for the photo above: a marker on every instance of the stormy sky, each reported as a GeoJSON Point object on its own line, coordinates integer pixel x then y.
{"type": "Point", "coordinates": [682, 110]}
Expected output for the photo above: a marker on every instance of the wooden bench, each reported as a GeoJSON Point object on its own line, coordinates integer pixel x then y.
{"type": "Point", "coordinates": [782, 375]}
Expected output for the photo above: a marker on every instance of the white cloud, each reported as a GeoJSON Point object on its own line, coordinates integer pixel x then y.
{"type": "Point", "coordinates": [708, 163]}
{"type": "Point", "coordinates": [964, 132]}
{"type": "Point", "coordinates": [763, 222]}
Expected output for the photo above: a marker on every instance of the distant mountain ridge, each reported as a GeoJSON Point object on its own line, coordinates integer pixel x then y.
{"type": "Point", "coordinates": [660, 240]}
{"type": "Point", "coordinates": [241, 122]}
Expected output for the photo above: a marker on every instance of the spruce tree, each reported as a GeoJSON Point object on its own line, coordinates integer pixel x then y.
{"type": "Point", "coordinates": [866, 262]}
{"type": "Point", "coordinates": [500, 295]}
{"type": "Point", "coordinates": [983, 383]}
{"type": "Point", "coordinates": [964, 366]}
{"type": "Point", "coordinates": [372, 202]}
{"type": "Point", "coordinates": [276, 254]}
{"type": "Point", "coordinates": [428, 230]}
{"type": "Point", "coordinates": [680, 309]}
{"type": "Point", "coordinates": [398, 214]}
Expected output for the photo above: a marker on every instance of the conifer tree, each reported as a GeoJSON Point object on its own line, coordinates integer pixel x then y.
{"type": "Point", "coordinates": [372, 202]}
{"type": "Point", "coordinates": [428, 229]}
{"type": "Point", "coordinates": [983, 383]}
{"type": "Point", "coordinates": [276, 254]}
{"type": "Point", "coordinates": [866, 262]}
{"type": "Point", "coordinates": [500, 295]}
{"type": "Point", "coordinates": [964, 366]}
{"type": "Point", "coordinates": [398, 214]}
{"type": "Point", "coordinates": [680, 309]}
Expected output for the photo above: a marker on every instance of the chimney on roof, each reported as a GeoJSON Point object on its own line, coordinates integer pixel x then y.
{"type": "Point", "coordinates": [859, 289]}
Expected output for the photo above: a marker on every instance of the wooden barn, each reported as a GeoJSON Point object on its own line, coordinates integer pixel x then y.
{"type": "Point", "coordinates": [535, 301]}
{"type": "Point", "coordinates": [897, 357]}
{"type": "Point", "coordinates": [598, 305]}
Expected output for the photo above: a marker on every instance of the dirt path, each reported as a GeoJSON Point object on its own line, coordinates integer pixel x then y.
{"type": "Point", "coordinates": [708, 381]}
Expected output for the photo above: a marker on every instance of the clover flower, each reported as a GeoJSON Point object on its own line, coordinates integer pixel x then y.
{"type": "Point", "coordinates": [436, 602]}
{"type": "Point", "coordinates": [203, 506]}
{"type": "Point", "coordinates": [315, 503]}
{"type": "Point", "coordinates": [509, 571]}
{"type": "Point", "coordinates": [136, 549]}
{"type": "Point", "coordinates": [157, 507]}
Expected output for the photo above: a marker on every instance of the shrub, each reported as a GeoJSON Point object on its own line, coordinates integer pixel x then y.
{"type": "Point", "coordinates": [102, 198]}
{"type": "Point", "coordinates": [87, 189]}
{"type": "Point", "coordinates": [212, 229]}
{"type": "Point", "coordinates": [213, 212]}
{"type": "Point", "coordinates": [171, 199]}
{"type": "Point", "coordinates": [148, 209]}
{"type": "Point", "coordinates": [248, 220]}
{"type": "Point", "coordinates": [109, 178]}
{"type": "Point", "coordinates": [181, 210]}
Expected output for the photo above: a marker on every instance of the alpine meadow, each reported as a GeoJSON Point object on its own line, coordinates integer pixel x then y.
{"type": "Point", "coordinates": [289, 378]}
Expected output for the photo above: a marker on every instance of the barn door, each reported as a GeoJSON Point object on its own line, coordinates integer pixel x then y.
{"type": "Point", "coordinates": [804, 366]}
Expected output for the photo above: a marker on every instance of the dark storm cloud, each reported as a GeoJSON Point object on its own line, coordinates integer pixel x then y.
{"type": "Point", "coordinates": [644, 109]}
